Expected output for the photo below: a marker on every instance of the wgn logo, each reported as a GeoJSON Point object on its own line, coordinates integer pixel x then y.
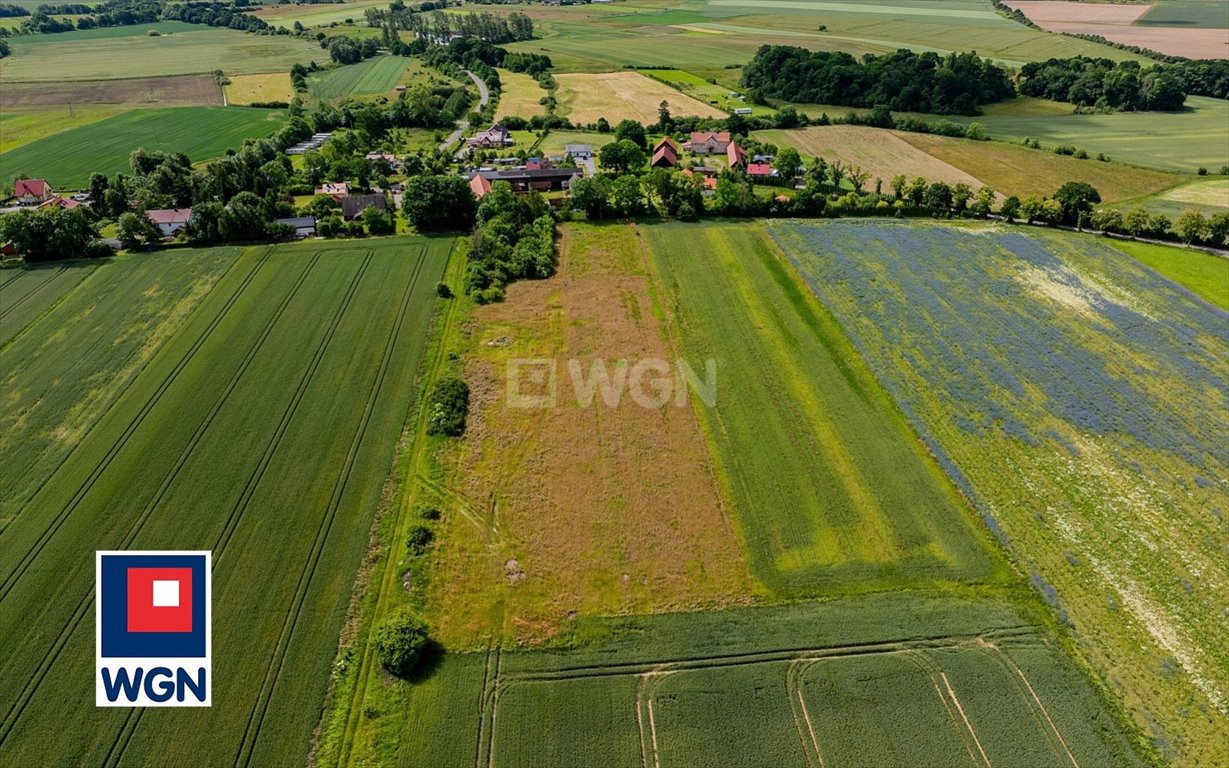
{"type": "Point", "coordinates": [152, 639]}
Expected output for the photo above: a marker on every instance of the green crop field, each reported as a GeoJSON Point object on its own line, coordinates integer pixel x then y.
{"type": "Point", "coordinates": [27, 292]}
{"type": "Point", "coordinates": [373, 76]}
{"type": "Point", "coordinates": [830, 490]}
{"type": "Point", "coordinates": [927, 680]}
{"type": "Point", "coordinates": [1068, 395]}
{"type": "Point", "coordinates": [1199, 14]}
{"type": "Point", "coordinates": [1204, 274]}
{"type": "Point", "coordinates": [247, 402]}
{"type": "Point", "coordinates": [127, 52]}
{"type": "Point", "coordinates": [1145, 138]}
{"type": "Point", "coordinates": [202, 132]}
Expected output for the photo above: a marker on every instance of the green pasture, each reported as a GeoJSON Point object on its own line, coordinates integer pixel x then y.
{"type": "Point", "coordinates": [201, 132]}
{"type": "Point", "coordinates": [1210, 196]}
{"type": "Point", "coordinates": [124, 52]}
{"type": "Point", "coordinates": [377, 75]}
{"type": "Point", "coordinates": [1067, 388]}
{"type": "Point", "coordinates": [257, 420]}
{"type": "Point", "coordinates": [699, 88]}
{"type": "Point", "coordinates": [1203, 274]}
{"type": "Point", "coordinates": [1199, 14]}
{"type": "Point", "coordinates": [830, 490]}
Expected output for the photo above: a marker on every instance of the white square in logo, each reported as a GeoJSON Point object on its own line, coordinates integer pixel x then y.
{"type": "Point", "coordinates": [166, 594]}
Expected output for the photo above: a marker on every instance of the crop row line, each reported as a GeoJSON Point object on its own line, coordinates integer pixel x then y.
{"type": "Point", "coordinates": [26, 296]}
{"type": "Point", "coordinates": [767, 657]}
{"type": "Point", "coordinates": [390, 567]}
{"type": "Point", "coordinates": [85, 487]}
{"type": "Point", "coordinates": [82, 607]}
{"type": "Point", "coordinates": [290, 624]}
{"type": "Point", "coordinates": [124, 737]}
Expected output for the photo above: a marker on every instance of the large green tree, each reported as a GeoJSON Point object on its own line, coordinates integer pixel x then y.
{"type": "Point", "coordinates": [439, 203]}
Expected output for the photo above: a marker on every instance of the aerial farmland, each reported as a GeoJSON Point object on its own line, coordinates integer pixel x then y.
{"type": "Point", "coordinates": [628, 384]}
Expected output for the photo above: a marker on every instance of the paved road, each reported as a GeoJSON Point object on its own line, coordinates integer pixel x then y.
{"type": "Point", "coordinates": [484, 96]}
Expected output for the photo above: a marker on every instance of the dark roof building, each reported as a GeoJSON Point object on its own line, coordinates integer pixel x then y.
{"type": "Point", "coordinates": [353, 206]}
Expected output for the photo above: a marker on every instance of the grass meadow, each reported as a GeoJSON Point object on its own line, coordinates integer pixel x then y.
{"type": "Point", "coordinates": [1068, 396]}
{"type": "Point", "coordinates": [128, 52]}
{"type": "Point", "coordinates": [519, 95]}
{"type": "Point", "coordinates": [830, 490]}
{"type": "Point", "coordinates": [272, 86]}
{"type": "Point", "coordinates": [1204, 274]}
{"type": "Point", "coordinates": [246, 402]}
{"type": "Point", "coordinates": [202, 132]}
{"type": "Point", "coordinates": [377, 75]}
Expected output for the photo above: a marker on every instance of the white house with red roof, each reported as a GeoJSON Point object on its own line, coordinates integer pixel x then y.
{"type": "Point", "coordinates": [32, 191]}
{"type": "Point", "coordinates": [171, 221]}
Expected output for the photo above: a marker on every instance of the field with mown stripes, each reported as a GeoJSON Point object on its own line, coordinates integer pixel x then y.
{"type": "Point", "coordinates": [242, 401]}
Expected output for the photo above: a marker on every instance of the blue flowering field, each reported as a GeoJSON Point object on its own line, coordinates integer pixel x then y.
{"type": "Point", "coordinates": [1079, 400]}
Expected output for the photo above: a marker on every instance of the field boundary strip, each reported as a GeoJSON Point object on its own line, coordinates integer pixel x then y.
{"type": "Point", "coordinates": [124, 737]}
{"type": "Point", "coordinates": [61, 640]}
{"type": "Point", "coordinates": [116, 447]}
{"type": "Point", "coordinates": [389, 577]}
{"type": "Point", "coordinates": [335, 500]}
{"type": "Point", "coordinates": [770, 657]}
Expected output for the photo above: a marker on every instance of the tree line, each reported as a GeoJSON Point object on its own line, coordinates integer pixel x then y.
{"type": "Point", "coordinates": [904, 81]}
{"type": "Point", "coordinates": [1104, 84]}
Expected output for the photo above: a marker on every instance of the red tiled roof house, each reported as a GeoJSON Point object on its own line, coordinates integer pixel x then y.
{"type": "Point", "coordinates": [32, 191]}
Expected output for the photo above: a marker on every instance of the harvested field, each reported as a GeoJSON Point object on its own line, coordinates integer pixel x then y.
{"type": "Point", "coordinates": [519, 95]}
{"type": "Point", "coordinates": [883, 154]}
{"type": "Point", "coordinates": [619, 95]}
{"type": "Point", "coordinates": [1119, 23]}
{"type": "Point", "coordinates": [175, 91]}
{"type": "Point", "coordinates": [1014, 169]}
{"type": "Point", "coordinates": [576, 508]}
{"type": "Point", "coordinates": [246, 89]}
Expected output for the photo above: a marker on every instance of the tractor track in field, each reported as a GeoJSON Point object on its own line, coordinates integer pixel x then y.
{"type": "Point", "coordinates": [82, 608]}
{"type": "Point", "coordinates": [1042, 715]}
{"type": "Point", "coordinates": [247, 745]}
{"type": "Point", "coordinates": [133, 719]}
{"type": "Point", "coordinates": [793, 692]}
{"type": "Point", "coordinates": [26, 296]}
{"type": "Point", "coordinates": [389, 579]}
{"type": "Point", "coordinates": [767, 657]}
{"type": "Point", "coordinates": [951, 705]}
{"type": "Point", "coordinates": [83, 490]}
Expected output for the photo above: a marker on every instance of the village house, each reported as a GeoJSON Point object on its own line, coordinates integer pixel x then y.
{"type": "Point", "coordinates": [760, 171]}
{"type": "Point", "coordinates": [665, 154]}
{"type": "Point", "coordinates": [304, 226]}
{"type": "Point", "coordinates": [708, 142]}
{"type": "Point", "coordinates": [32, 191]}
{"type": "Point", "coordinates": [495, 136]}
{"type": "Point", "coordinates": [735, 155]}
{"type": "Point", "coordinates": [392, 160]}
{"type": "Point", "coordinates": [171, 221]}
{"type": "Point", "coordinates": [525, 180]}
{"type": "Point", "coordinates": [353, 206]}
{"type": "Point", "coordinates": [337, 190]}
{"type": "Point", "coordinates": [578, 151]}
{"type": "Point", "coordinates": [67, 203]}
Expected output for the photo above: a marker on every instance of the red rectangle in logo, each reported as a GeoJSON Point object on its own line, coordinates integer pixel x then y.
{"type": "Point", "coordinates": [159, 599]}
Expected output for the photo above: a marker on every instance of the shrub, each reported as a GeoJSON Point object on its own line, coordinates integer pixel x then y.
{"type": "Point", "coordinates": [430, 513]}
{"type": "Point", "coordinates": [449, 405]}
{"type": "Point", "coordinates": [418, 539]}
{"type": "Point", "coordinates": [1202, 171]}
{"type": "Point", "coordinates": [400, 642]}
{"type": "Point", "coordinates": [1064, 149]}
{"type": "Point", "coordinates": [443, 291]}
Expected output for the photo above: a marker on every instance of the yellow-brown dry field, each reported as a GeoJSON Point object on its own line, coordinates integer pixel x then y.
{"type": "Point", "coordinates": [519, 95]}
{"type": "Point", "coordinates": [1116, 22]}
{"type": "Point", "coordinates": [583, 98]}
{"type": "Point", "coordinates": [247, 89]}
{"type": "Point", "coordinates": [605, 509]}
